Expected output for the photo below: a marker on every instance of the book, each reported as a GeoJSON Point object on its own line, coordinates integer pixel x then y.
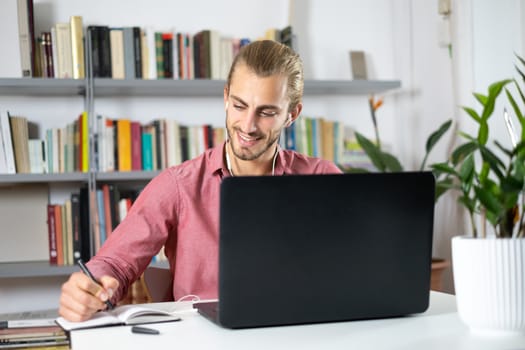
{"type": "Point", "coordinates": [11, 66]}
{"type": "Point", "coordinates": [64, 53]}
{"type": "Point", "coordinates": [124, 144]}
{"type": "Point", "coordinates": [77, 45]}
{"type": "Point", "coordinates": [34, 337]}
{"type": "Point", "coordinates": [53, 252]}
{"type": "Point", "coordinates": [75, 223]}
{"type": "Point", "coordinates": [125, 315]}
{"type": "Point", "coordinates": [20, 138]}
{"type": "Point", "coordinates": [129, 52]}
{"type": "Point", "coordinates": [28, 319]}
{"type": "Point", "coordinates": [116, 39]}
{"type": "Point", "coordinates": [7, 142]}
{"type": "Point", "coordinates": [26, 29]}
{"type": "Point", "coordinates": [358, 64]}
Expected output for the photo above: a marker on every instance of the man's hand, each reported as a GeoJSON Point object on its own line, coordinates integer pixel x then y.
{"type": "Point", "coordinates": [81, 297]}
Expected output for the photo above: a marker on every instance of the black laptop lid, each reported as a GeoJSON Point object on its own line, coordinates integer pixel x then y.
{"type": "Point", "coordinates": [319, 248]}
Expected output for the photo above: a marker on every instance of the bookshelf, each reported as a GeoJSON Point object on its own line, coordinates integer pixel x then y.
{"type": "Point", "coordinates": [103, 87]}
{"type": "Point", "coordinates": [182, 88]}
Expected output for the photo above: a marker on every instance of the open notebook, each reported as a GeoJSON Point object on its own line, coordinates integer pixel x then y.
{"type": "Point", "coordinates": [130, 315]}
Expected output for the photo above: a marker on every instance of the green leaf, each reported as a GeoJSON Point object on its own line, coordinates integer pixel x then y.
{"type": "Point", "coordinates": [507, 151]}
{"type": "Point", "coordinates": [466, 171]}
{"type": "Point", "coordinates": [511, 185]}
{"type": "Point", "coordinates": [495, 163]}
{"type": "Point", "coordinates": [463, 151]}
{"type": "Point", "coordinates": [520, 73]}
{"type": "Point", "coordinates": [352, 170]}
{"type": "Point", "coordinates": [520, 59]}
{"type": "Point", "coordinates": [467, 136]}
{"type": "Point", "coordinates": [481, 98]}
{"type": "Point", "coordinates": [433, 139]}
{"type": "Point", "coordinates": [372, 151]}
{"type": "Point", "coordinates": [468, 203]}
{"type": "Point", "coordinates": [444, 168]}
{"type": "Point", "coordinates": [436, 135]}
{"type": "Point", "coordinates": [472, 113]}
{"type": "Point", "coordinates": [391, 162]}
{"type": "Point", "coordinates": [514, 105]}
{"type": "Point", "coordinates": [489, 201]}
{"type": "Point", "coordinates": [494, 91]}
{"type": "Point", "coordinates": [442, 187]}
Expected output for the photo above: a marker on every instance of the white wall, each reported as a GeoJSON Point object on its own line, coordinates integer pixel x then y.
{"type": "Point", "coordinates": [401, 41]}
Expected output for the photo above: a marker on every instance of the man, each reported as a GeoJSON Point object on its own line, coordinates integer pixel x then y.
{"type": "Point", "coordinates": [179, 210]}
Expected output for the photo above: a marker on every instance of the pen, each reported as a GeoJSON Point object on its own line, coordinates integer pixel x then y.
{"type": "Point", "coordinates": [144, 330]}
{"type": "Point", "coordinates": [88, 273]}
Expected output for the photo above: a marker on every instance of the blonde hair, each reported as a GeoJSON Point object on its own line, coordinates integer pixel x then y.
{"type": "Point", "coordinates": [266, 58]}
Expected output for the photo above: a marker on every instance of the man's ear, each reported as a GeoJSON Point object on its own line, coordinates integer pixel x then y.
{"type": "Point", "coordinates": [226, 94]}
{"type": "Point", "coordinates": [294, 114]}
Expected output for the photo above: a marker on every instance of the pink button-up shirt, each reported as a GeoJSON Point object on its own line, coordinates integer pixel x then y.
{"type": "Point", "coordinates": [179, 209]}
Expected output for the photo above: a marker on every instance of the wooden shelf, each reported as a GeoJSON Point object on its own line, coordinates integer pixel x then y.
{"type": "Point", "coordinates": [42, 87]}
{"type": "Point", "coordinates": [126, 175]}
{"type": "Point", "coordinates": [34, 269]}
{"type": "Point", "coordinates": [214, 88]}
{"type": "Point", "coordinates": [171, 87]}
{"type": "Point", "coordinates": [43, 178]}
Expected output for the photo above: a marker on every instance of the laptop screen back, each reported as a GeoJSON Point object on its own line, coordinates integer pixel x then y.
{"type": "Point", "coordinates": [319, 248]}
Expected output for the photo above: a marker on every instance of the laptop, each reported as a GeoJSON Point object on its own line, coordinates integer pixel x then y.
{"type": "Point", "coordinates": [323, 248]}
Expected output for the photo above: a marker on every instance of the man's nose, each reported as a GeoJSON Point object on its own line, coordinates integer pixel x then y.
{"type": "Point", "coordinates": [248, 121]}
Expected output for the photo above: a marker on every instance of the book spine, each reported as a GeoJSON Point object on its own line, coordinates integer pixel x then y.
{"type": "Point", "coordinates": [85, 142]}
{"type": "Point", "coordinates": [137, 52]}
{"type": "Point", "coordinates": [64, 51]}
{"type": "Point", "coordinates": [116, 37]}
{"type": "Point", "coordinates": [129, 53]}
{"type": "Point", "coordinates": [69, 231]}
{"type": "Point", "coordinates": [25, 37]}
{"type": "Point", "coordinates": [59, 236]}
{"type": "Point", "coordinates": [85, 244]}
{"type": "Point", "coordinates": [147, 152]}
{"type": "Point", "coordinates": [77, 45]}
{"type": "Point", "coordinates": [105, 53]}
{"type": "Point", "coordinates": [20, 137]}
{"type": "Point", "coordinates": [75, 224]}
{"type": "Point", "coordinates": [167, 54]}
{"type": "Point", "coordinates": [51, 234]}
{"type": "Point", "coordinates": [94, 35]}
{"type": "Point", "coordinates": [136, 146]}
{"type": "Point", "coordinates": [107, 210]}
{"type": "Point", "coordinates": [101, 216]}
{"type": "Point", "coordinates": [124, 144]}
{"type": "Point", "coordinates": [159, 56]}
{"type": "Point", "coordinates": [7, 142]}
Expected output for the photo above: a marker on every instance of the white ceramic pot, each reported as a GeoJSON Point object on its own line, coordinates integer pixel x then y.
{"type": "Point", "coordinates": [489, 278]}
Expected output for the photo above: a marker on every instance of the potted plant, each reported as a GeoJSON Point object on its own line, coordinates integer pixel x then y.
{"type": "Point", "coordinates": [384, 161]}
{"type": "Point", "coordinates": [489, 263]}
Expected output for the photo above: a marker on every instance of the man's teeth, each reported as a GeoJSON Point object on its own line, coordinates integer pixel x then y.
{"type": "Point", "coordinates": [245, 138]}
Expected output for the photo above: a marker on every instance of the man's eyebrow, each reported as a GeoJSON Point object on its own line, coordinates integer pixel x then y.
{"type": "Point", "coordinates": [238, 99]}
{"type": "Point", "coordinates": [261, 107]}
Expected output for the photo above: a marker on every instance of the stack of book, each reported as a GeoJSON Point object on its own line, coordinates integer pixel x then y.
{"type": "Point", "coordinates": [32, 330]}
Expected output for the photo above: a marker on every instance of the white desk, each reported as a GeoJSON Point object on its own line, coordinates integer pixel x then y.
{"type": "Point", "coordinates": [438, 328]}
